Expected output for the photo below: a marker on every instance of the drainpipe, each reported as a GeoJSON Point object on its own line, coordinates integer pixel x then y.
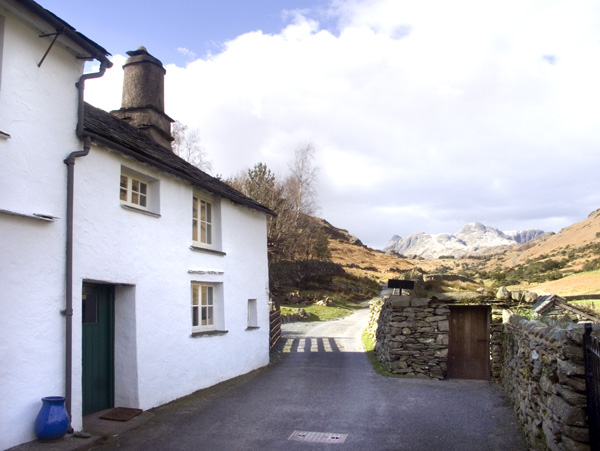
{"type": "Point", "coordinates": [70, 162]}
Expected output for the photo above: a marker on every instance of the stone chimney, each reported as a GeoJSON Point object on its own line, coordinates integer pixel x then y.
{"type": "Point", "coordinates": [143, 103]}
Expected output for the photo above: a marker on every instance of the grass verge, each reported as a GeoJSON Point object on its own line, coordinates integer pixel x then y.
{"type": "Point", "coordinates": [339, 308]}
{"type": "Point", "coordinates": [377, 365]}
{"type": "Point", "coordinates": [593, 305]}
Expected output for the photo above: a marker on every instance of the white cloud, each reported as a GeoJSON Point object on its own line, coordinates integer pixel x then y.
{"type": "Point", "coordinates": [186, 52]}
{"type": "Point", "coordinates": [442, 112]}
{"type": "Point", "coordinates": [106, 92]}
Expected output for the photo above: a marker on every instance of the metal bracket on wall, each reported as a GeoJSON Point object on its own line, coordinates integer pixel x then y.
{"type": "Point", "coordinates": [46, 35]}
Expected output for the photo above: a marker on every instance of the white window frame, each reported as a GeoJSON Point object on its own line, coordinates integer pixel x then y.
{"type": "Point", "coordinates": [206, 217]}
{"type": "Point", "coordinates": [135, 192]}
{"type": "Point", "coordinates": [139, 186]}
{"type": "Point", "coordinates": [252, 314]}
{"type": "Point", "coordinates": [204, 307]}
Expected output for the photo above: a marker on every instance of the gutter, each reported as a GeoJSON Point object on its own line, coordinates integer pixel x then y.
{"type": "Point", "coordinates": [70, 162]}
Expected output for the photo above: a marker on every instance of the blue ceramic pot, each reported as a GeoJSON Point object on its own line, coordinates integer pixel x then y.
{"type": "Point", "coordinates": [52, 422]}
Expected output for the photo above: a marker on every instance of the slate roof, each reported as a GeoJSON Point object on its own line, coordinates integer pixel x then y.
{"type": "Point", "coordinates": [115, 133]}
{"type": "Point", "coordinates": [544, 303]}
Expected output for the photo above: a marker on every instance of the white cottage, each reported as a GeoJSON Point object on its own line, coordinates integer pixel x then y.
{"type": "Point", "coordinates": [128, 277]}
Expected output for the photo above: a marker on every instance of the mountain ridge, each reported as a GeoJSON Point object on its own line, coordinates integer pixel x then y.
{"type": "Point", "coordinates": [473, 239]}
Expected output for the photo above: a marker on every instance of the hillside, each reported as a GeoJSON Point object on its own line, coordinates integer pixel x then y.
{"type": "Point", "coordinates": [577, 244]}
{"type": "Point", "coordinates": [348, 251]}
{"type": "Point", "coordinates": [566, 252]}
{"type": "Point", "coordinates": [575, 284]}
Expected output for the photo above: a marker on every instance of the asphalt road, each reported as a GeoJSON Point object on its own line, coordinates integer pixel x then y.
{"type": "Point", "coordinates": [323, 394]}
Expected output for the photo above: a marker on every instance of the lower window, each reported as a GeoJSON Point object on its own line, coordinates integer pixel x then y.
{"type": "Point", "coordinates": [252, 314]}
{"type": "Point", "coordinates": [203, 307]}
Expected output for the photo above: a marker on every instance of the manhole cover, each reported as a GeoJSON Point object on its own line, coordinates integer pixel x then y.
{"type": "Point", "coordinates": [318, 437]}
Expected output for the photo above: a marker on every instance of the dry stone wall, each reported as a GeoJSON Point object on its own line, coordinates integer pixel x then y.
{"type": "Point", "coordinates": [412, 336]}
{"type": "Point", "coordinates": [375, 306]}
{"type": "Point", "coordinates": [543, 374]}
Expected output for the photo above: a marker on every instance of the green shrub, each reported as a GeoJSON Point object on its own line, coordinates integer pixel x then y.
{"type": "Point", "coordinates": [592, 265]}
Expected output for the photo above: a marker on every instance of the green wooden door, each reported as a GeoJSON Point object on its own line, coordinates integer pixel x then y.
{"type": "Point", "coordinates": [98, 319]}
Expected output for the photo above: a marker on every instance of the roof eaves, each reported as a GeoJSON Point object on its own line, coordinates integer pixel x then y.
{"type": "Point", "coordinates": [95, 51]}
{"type": "Point", "coordinates": [114, 133]}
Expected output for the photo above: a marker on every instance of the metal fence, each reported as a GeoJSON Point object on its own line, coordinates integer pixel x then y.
{"type": "Point", "coordinates": [592, 380]}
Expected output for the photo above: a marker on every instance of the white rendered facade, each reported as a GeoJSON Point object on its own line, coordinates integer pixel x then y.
{"type": "Point", "coordinates": [147, 259]}
{"type": "Point", "coordinates": [150, 261]}
{"type": "Point", "coordinates": [38, 109]}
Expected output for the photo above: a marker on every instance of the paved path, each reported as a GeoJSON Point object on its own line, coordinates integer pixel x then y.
{"type": "Point", "coordinates": [324, 394]}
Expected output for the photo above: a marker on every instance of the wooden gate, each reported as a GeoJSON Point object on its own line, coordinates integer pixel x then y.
{"type": "Point", "coordinates": [591, 346]}
{"type": "Point", "coordinates": [469, 342]}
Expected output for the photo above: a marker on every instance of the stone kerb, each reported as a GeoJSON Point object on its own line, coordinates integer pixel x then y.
{"type": "Point", "coordinates": [412, 336]}
{"type": "Point", "coordinates": [543, 374]}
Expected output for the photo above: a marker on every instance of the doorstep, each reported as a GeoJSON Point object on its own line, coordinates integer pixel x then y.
{"type": "Point", "coordinates": [98, 430]}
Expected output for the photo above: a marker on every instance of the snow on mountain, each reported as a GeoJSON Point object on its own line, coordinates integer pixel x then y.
{"type": "Point", "coordinates": [473, 239]}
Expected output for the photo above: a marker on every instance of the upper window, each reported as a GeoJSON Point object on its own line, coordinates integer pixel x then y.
{"type": "Point", "coordinates": [203, 222]}
{"type": "Point", "coordinates": [139, 191]}
{"type": "Point", "coordinates": [134, 191]}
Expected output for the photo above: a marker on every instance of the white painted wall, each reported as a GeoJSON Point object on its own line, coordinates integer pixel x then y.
{"type": "Point", "coordinates": [148, 258]}
{"type": "Point", "coordinates": [38, 109]}
{"type": "Point", "coordinates": [152, 254]}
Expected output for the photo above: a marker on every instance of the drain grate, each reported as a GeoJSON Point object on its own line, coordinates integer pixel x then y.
{"type": "Point", "coordinates": [318, 437]}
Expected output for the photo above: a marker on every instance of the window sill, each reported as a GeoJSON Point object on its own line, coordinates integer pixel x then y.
{"type": "Point", "coordinates": [209, 333]}
{"type": "Point", "coordinates": [252, 328]}
{"type": "Point", "coordinates": [203, 249]}
{"type": "Point", "coordinates": [201, 271]}
{"type": "Point", "coordinates": [38, 216]}
{"type": "Point", "coordinates": [139, 210]}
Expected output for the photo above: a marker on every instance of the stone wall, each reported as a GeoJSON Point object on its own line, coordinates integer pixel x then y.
{"type": "Point", "coordinates": [375, 306]}
{"type": "Point", "coordinates": [447, 278]}
{"type": "Point", "coordinates": [544, 376]}
{"type": "Point", "coordinates": [412, 336]}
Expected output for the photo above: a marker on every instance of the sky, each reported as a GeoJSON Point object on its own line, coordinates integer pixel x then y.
{"type": "Point", "coordinates": [425, 115]}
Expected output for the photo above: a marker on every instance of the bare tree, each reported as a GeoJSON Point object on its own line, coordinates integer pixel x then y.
{"type": "Point", "coordinates": [292, 232]}
{"type": "Point", "coordinates": [301, 184]}
{"type": "Point", "coordinates": [187, 146]}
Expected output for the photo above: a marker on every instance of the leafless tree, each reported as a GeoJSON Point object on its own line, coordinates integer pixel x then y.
{"type": "Point", "coordinates": [187, 146]}
{"type": "Point", "coordinates": [301, 184]}
{"type": "Point", "coordinates": [292, 232]}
